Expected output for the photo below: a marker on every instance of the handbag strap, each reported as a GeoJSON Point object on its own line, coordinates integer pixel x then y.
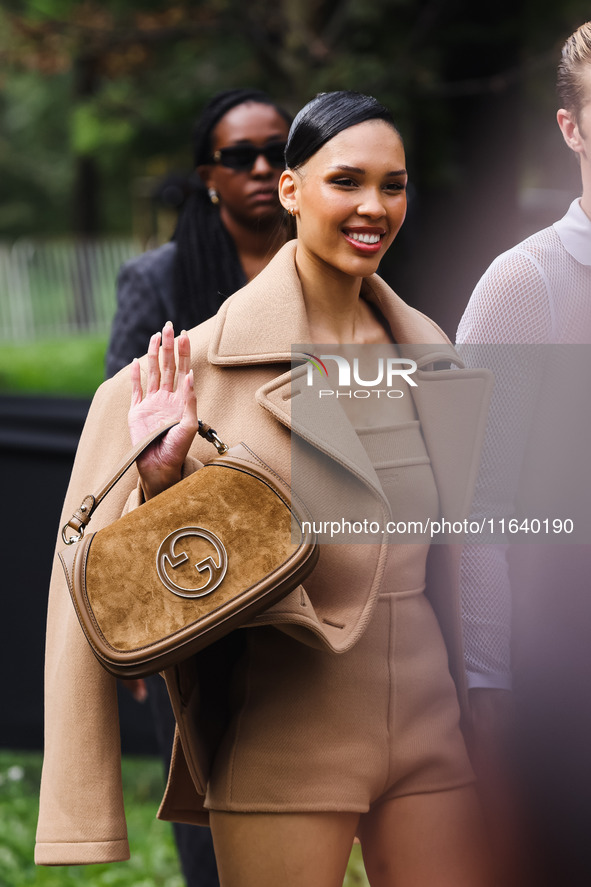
{"type": "Point", "coordinates": [81, 517]}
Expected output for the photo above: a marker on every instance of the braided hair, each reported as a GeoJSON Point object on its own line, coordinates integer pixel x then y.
{"type": "Point", "coordinates": [207, 266]}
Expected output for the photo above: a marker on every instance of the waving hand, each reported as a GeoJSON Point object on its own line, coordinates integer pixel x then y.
{"type": "Point", "coordinates": [164, 401]}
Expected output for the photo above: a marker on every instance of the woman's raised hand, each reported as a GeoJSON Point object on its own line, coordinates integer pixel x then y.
{"type": "Point", "coordinates": [161, 464]}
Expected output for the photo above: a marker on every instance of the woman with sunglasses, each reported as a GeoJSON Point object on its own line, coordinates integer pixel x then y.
{"type": "Point", "coordinates": [333, 714]}
{"type": "Point", "coordinates": [230, 225]}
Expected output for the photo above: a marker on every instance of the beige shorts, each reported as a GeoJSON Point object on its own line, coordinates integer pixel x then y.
{"type": "Point", "coordinates": [317, 731]}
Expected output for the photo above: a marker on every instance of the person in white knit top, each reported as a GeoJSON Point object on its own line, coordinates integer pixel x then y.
{"type": "Point", "coordinates": [536, 294]}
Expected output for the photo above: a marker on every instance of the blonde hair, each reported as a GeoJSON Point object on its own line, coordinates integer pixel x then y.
{"type": "Point", "coordinates": [576, 58]}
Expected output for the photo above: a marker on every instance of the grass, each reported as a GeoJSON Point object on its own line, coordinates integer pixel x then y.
{"type": "Point", "coordinates": [71, 366]}
{"type": "Point", "coordinates": [153, 860]}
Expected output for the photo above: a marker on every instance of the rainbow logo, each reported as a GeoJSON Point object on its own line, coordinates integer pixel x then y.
{"type": "Point", "coordinates": [316, 363]}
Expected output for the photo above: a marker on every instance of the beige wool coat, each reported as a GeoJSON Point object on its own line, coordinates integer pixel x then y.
{"type": "Point", "coordinates": [241, 360]}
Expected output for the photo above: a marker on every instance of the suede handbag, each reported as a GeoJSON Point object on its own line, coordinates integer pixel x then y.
{"type": "Point", "coordinates": [190, 565]}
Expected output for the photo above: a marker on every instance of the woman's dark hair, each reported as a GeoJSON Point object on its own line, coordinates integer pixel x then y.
{"type": "Point", "coordinates": [207, 267]}
{"type": "Point", "coordinates": [325, 117]}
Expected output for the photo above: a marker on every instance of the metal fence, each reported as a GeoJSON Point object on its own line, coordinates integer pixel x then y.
{"type": "Point", "coordinates": [50, 289]}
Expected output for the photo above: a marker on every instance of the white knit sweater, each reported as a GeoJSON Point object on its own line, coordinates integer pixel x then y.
{"type": "Point", "coordinates": [538, 292]}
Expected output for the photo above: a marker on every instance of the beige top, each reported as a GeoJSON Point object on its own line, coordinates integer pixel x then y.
{"type": "Point", "coordinates": [398, 453]}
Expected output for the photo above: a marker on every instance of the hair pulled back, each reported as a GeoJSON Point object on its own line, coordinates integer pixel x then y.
{"type": "Point", "coordinates": [576, 58]}
{"type": "Point", "coordinates": [325, 117]}
{"type": "Point", "coordinates": [207, 267]}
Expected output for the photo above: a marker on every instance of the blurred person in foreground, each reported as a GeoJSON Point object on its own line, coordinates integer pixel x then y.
{"type": "Point", "coordinates": [527, 311]}
{"type": "Point", "coordinates": [230, 226]}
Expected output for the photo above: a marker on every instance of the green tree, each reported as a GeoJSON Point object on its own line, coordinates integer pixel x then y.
{"type": "Point", "coordinates": [96, 94]}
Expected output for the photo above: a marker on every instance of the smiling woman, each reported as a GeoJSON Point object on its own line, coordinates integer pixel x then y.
{"type": "Point", "coordinates": [334, 713]}
{"type": "Point", "coordinates": [348, 215]}
{"type": "Point", "coordinates": [346, 187]}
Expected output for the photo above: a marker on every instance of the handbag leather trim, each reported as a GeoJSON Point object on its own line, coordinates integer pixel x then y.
{"type": "Point", "coordinates": [85, 571]}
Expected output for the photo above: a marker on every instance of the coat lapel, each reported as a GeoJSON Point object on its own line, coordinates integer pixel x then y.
{"type": "Point", "coordinates": [321, 423]}
{"type": "Point", "coordinates": [452, 406]}
{"type": "Point", "coordinates": [261, 323]}
{"type": "Point", "coordinates": [258, 323]}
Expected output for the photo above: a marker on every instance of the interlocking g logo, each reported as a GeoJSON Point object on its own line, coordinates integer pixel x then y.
{"type": "Point", "coordinates": [167, 557]}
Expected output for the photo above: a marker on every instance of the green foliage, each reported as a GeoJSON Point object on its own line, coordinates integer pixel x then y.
{"type": "Point", "coordinates": [73, 366]}
{"type": "Point", "coordinates": [92, 132]}
{"type": "Point", "coordinates": [36, 164]}
{"type": "Point", "coordinates": [356, 876]}
{"type": "Point", "coordinates": [153, 860]}
{"type": "Point", "coordinates": [120, 82]}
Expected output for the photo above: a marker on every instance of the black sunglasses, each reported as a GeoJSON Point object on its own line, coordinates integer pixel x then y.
{"type": "Point", "coordinates": [242, 158]}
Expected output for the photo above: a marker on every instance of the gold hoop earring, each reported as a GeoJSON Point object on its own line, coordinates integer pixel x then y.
{"type": "Point", "coordinates": [213, 196]}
